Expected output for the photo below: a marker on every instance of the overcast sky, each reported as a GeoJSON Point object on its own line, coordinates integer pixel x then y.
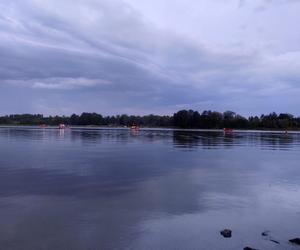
{"type": "Point", "coordinates": [158, 56]}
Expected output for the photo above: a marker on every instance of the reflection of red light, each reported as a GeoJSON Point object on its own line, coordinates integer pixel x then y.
{"type": "Point", "coordinates": [228, 130]}
{"type": "Point", "coordinates": [134, 132]}
{"type": "Point", "coordinates": [134, 129]}
{"type": "Point", "coordinates": [61, 126]}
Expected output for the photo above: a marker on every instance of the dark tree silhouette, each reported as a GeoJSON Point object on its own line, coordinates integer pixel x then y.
{"type": "Point", "coordinates": [181, 119]}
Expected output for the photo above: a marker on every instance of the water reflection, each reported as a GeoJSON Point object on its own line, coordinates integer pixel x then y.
{"type": "Point", "coordinates": [212, 140]}
{"type": "Point", "coordinates": [155, 189]}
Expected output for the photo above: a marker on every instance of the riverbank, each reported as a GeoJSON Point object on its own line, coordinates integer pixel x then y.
{"type": "Point", "coordinates": [151, 128]}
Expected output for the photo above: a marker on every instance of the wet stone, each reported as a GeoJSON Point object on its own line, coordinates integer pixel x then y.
{"type": "Point", "coordinates": [226, 233]}
{"type": "Point", "coordinates": [295, 241]}
{"type": "Point", "coordinates": [275, 241]}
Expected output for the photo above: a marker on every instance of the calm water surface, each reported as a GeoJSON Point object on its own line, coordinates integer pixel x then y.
{"type": "Point", "coordinates": [152, 189]}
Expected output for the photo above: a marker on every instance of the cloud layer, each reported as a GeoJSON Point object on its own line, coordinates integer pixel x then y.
{"type": "Point", "coordinates": [113, 56]}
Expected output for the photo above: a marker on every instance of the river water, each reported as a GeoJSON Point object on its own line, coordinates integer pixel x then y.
{"type": "Point", "coordinates": [148, 189]}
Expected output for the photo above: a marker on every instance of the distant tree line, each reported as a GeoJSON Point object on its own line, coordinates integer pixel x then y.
{"type": "Point", "coordinates": [229, 119]}
{"type": "Point", "coordinates": [88, 119]}
{"type": "Point", "coordinates": [181, 119]}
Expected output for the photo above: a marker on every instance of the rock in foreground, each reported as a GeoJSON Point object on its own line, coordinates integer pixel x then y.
{"type": "Point", "coordinates": [295, 241]}
{"type": "Point", "coordinates": [226, 233]}
{"type": "Point", "coordinates": [249, 248]}
{"type": "Point", "coordinates": [275, 241]}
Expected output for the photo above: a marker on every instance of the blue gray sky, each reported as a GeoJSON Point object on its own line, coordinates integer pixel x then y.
{"type": "Point", "coordinates": [141, 57]}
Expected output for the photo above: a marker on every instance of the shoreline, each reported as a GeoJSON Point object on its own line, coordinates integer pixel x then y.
{"type": "Point", "coordinates": [90, 128]}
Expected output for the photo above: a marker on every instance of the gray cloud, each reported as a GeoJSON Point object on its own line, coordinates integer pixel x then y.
{"type": "Point", "coordinates": [107, 56]}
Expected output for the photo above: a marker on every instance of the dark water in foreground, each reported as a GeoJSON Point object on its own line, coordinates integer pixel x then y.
{"type": "Point", "coordinates": [114, 189]}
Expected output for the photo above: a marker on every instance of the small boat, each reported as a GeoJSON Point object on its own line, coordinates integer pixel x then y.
{"type": "Point", "coordinates": [228, 130]}
{"type": "Point", "coordinates": [134, 127]}
{"type": "Point", "coordinates": [61, 126]}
